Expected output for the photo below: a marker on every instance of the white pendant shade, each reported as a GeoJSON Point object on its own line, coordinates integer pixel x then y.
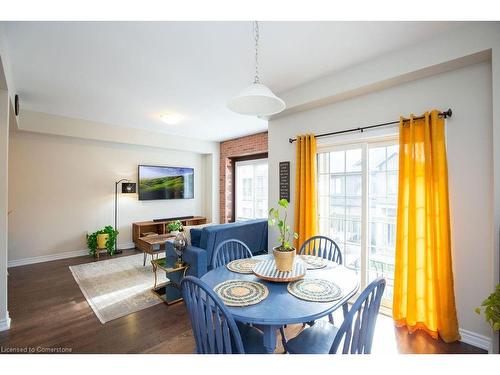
{"type": "Point", "coordinates": [256, 100]}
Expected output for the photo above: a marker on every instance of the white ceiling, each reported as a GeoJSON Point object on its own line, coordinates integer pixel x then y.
{"type": "Point", "coordinates": [128, 73]}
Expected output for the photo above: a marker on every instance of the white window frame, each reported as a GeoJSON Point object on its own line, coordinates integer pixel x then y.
{"type": "Point", "coordinates": [248, 162]}
{"type": "Point", "coordinates": [365, 144]}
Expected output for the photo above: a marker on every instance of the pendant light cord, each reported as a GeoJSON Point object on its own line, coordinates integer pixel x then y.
{"type": "Point", "coordinates": [256, 37]}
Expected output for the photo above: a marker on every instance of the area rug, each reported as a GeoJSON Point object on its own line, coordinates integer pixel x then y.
{"type": "Point", "coordinates": [117, 287]}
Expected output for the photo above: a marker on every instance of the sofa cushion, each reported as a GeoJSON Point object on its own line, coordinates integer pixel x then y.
{"type": "Point", "coordinates": [188, 231]}
{"type": "Point", "coordinates": [195, 236]}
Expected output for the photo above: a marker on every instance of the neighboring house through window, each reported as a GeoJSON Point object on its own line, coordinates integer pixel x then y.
{"type": "Point", "coordinates": [357, 206]}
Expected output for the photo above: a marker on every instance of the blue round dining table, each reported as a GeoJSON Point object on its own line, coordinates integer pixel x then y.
{"type": "Point", "coordinates": [280, 307]}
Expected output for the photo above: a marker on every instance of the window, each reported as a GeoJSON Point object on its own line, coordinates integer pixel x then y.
{"type": "Point", "coordinates": [340, 201]}
{"type": "Point", "coordinates": [251, 189]}
{"type": "Point", "coordinates": [382, 202]}
{"type": "Point", "coordinates": [357, 204]}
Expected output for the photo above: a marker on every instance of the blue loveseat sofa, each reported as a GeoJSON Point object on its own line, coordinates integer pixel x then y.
{"type": "Point", "coordinates": [204, 241]}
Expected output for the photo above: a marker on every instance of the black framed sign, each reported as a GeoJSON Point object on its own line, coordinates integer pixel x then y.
{"type": "Point", "coordinates": [284, 169]}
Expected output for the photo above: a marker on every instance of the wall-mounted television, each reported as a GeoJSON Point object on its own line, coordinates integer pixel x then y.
{"type": "Point", "coordinates": [157, 182]}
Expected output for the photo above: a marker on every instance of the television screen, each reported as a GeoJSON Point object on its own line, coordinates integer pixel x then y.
{"type": "Point", "coordinates": [165, 183]}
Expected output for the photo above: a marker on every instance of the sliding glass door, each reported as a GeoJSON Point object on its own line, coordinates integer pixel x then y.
{"type": "Point", "coordinates": [357, 201]}
{"type": "Point", "coordinates": [382, 201]}
{"type": "Point", "coordinates": [340, 201]}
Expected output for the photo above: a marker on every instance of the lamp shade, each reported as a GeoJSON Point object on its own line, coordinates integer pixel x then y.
{"type": "Point", "coordinates": [256, 100]}
{"type": "Point", "coordinates": [128, 187]}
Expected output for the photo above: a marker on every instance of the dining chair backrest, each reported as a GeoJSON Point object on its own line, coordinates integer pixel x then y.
{"type": "Point", "coordinates": [322, 246]}
{"type": "Point", "coordinates": [214, 329]}
{"type": "Point", "coordinates": [228, 251]}
{"type": "Point", "coordinates": [358, 327]}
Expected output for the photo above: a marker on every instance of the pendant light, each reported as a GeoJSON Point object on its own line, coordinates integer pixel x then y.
{"type": "Point", "coordinates": [257, 99]}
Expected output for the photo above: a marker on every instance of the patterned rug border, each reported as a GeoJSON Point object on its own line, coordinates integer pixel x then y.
{"type": "Point", "coordinates": [89, 301]}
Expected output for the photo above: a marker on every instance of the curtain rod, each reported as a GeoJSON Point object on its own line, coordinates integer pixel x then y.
{"type": "Point", "coordinates": [444, 114]}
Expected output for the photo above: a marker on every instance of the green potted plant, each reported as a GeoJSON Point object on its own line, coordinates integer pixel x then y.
{"type": "Point", "coordinates": [102, 239]}
{"type": "Point", "coordinates": [491, 309]}
{"type": "Point", "coordinates": [174, 227]}
{"type": "Point", "coordinates": [284, 253]}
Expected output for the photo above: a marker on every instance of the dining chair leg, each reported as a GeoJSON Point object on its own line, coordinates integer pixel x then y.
{"type": "Point", "coordinates": [330, 318]}
{"type": "Point", "coordinates": [345, 309]}
{"type": "Point", "coordinates": [283, 338]}
{"type": "Point", "coordinates": [144, 262]}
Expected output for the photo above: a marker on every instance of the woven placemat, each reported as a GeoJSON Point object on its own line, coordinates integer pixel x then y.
{"type": "Point", "coordinates": [313, 262]}
{"type": "Point", "coordinates": [241, 292]}
{"type": "Point", "coordinates": [315, 290]}
{"type": "Point", "coordinates": [242, 265]}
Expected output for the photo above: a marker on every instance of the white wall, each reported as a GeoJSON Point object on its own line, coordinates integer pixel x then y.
{"type": "Point", "coordinates": [211, 186]}
{"type": "Point", "coordinates": [61, 187]}
{"type": "Point", "coordinates": [470, 159]}
{"type": "Point", "coordinates": [46, 123]}
{"type": "Point", "coordinates": [7, 120]}
{"type": "Point", "coordinates": [4, 150]}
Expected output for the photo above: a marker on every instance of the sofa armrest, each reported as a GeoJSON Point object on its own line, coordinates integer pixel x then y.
{"type": "Point", "coordinates": [196, 258]}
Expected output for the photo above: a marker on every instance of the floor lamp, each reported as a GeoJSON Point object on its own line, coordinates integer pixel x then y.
{"type": "Point", "coordinates": [127, 188]}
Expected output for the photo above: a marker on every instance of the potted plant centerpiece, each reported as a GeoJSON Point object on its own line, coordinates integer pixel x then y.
{"type": "Point", "coordinates": [174, 227]}
{"type": "Point", "coordinates": [284, 254]}
{"type": "Point", "coordinates": [102, 239]}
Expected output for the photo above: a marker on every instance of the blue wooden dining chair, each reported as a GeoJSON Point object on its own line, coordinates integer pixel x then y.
{"type": "Point", "coordinates": [214, 328]}
{"type": "Point", "coordinates": [228, 251]}
{"type": "Point", "coordinates": [322, 246]}
{"type": "Point", "coordinates": [355, 334]}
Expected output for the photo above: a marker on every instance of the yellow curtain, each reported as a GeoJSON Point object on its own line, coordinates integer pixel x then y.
{"type": "Point", "coordinates": [423, 280]}
{"type": "Point", "coordinates": [305, 218]}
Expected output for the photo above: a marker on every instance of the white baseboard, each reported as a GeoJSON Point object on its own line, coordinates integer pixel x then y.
{"type": "Point", "coordinates": [46, 258]}
{"type": "Point", "coordinates": [475, 339]}
{"type": "Point", "coordinates": [5, 323]}
{"type": "Point", "coordinates": [125, 246]}
{"type": "Point", "coordinates": [65, 255]}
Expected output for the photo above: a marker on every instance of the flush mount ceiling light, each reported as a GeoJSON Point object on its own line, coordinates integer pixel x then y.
{"type": "Point", "coordinates": [171, 118]}
{"type": "Point", "coordinates": [257, 99]}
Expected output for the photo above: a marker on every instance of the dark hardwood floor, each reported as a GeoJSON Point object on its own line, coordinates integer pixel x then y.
{"type": "Point", "coordinates": [50, 314]}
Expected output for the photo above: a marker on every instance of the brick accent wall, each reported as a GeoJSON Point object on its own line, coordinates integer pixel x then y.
{"type": "Point", "coordinates": [234, 148]}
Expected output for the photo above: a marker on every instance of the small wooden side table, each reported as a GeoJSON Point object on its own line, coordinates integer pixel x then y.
{"type": "Point", "coordinates": [169, 292]}
{"type": "Point", "coordinates": [153, 245]}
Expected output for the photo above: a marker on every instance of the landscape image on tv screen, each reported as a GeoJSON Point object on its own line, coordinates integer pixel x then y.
{"type": "Point", "coordinates": [165, 183]}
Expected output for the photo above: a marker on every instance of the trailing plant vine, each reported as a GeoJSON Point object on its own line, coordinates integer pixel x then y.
{"type": "Point", "coordinates": [110, 242]}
